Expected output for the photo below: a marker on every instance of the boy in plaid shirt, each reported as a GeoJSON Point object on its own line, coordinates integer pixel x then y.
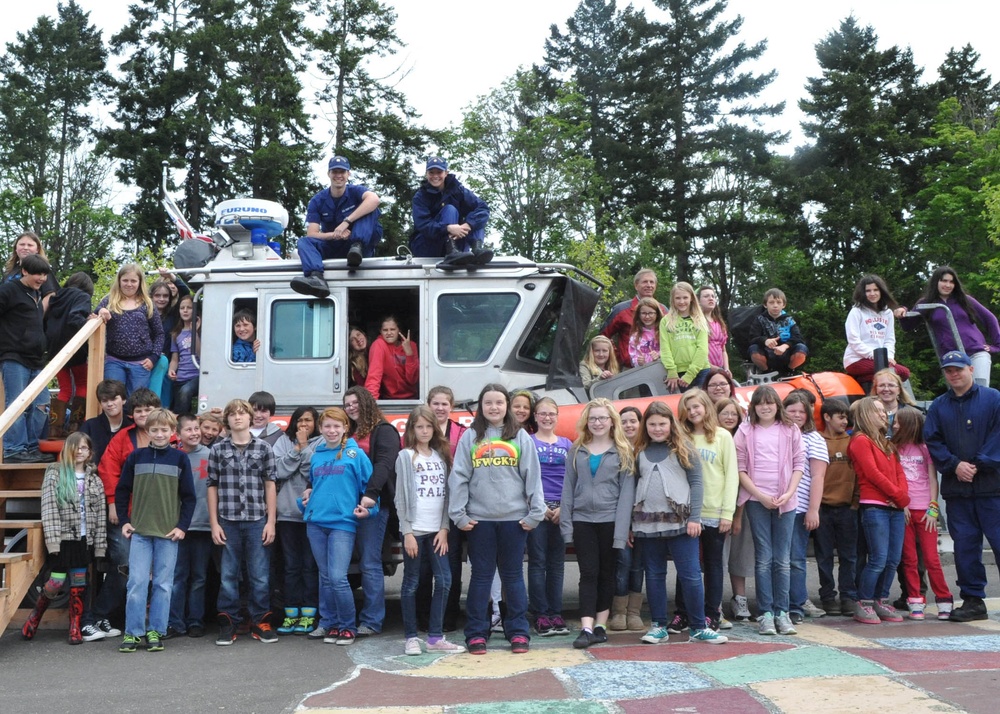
{"type": "Point", "coordinates": [242, 510]}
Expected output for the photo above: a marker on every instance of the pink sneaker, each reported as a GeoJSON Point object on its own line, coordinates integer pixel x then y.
{"type": "Point", "coordinates": [445, 646]}
{"type": "Point", "coordinates": [885, 611]}
{"type": "Point", "coordinates": [865, 613]}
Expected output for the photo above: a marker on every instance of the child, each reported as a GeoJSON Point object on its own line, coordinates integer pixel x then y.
{"type": "Point", "coordinates": [775, 341]}
{"type": "Point", "coordinates": [810, 493]}
{"type": "Point", "coordinates": [522, 406]}
{"type": "Point", "coordinates": [187, 601]}
{"type": "Point", "coordinates": [921, 528]}
{"type": "Point", "coordinates": [683, 340]}
{"type": "Point", "coordinates": [75, 531]}
{"type": "Point", "coordinates": [720, 485]}
{"type": "Point", "coordinates": [393, 363]}
{"type": "Point", "coordinates": [600, 361]}
{"type": "Point", "coordinates": [600, 461]}
{"type": "Point", "coordinates": [838, 520]}
{"type": "Point", "coordinates": [626, 605]}
{"type": "Point", "coordinates": [111, 394]}
{"type": "Point", "coordinates": [870, 326]}
{"type": "Point", "coordinates": [211, 428]}
{"type": "Point", "coordinates": [718, 333]}
{"type": "Point", "coordinates": [245, 342]}
{"type": "Point", "coordinates": [185, 349]}
{"type": "Point", "coordinates": [134, 329]}
{"type": "Point", "coordinates": [644, 340]}
{"type": "Point", "coordinates": [662, 508]}
{"type": "Point", "coordinates": [261, 426]}
{"type": "Point", "coordinates": [293, 456]}
{"type": "Point", "coordinates": [69, 310]}
{"type": "Point", "coordinates": [741, 559]}
{"type": "Point", "coordinates": [771, 460]}
{"type": "Point", "coordinates": [338, 472]}
{"type": "Point", "coordinates": [422, 504]}
{"type": "Point", "coordinates": [242, 513]}
{"type": "Point", "coordinates": [884, 498]}
{"type": "Point", "coordinates": [357, 356]}
{"type": "Point", "coordinates": [546, 551]}
{"type": "Point", "coordinates": [165, 293]}
{"type": "Point", "coordinates": [158, 481]}
{"type": "Point", "coordinates": [495, 495]}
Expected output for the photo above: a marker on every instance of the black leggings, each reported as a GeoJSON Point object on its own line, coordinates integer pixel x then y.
{"type": "Point", "coordinates": [595, 555]}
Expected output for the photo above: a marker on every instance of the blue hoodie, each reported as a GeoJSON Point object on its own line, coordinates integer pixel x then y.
{"type": "Point", "coordinates": [338, 485]}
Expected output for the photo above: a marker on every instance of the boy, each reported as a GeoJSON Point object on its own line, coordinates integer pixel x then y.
{"type": "Point", "coordinates": [246, 344]}
{"type": "Point", "coordinates": [22, 358]}
{"type": "Point", "coordinates": [187, 602]}
{"type": "Point", "coordinates": [102, 428]}
{"type": "Point", "coordinates": [158, 481]}
{"type": "Point", "coordinates": [211, 427]}
{"type": "Point", "coordinates": [262, 427]}
{"type": "Point", "coordinates": [838, 518]}
{"type": "Point", "coordinates": [449, 220]}
{"type": "Point", "coordinates": [775, 341]}
{"type": "Point", "coordinates": [242, 509]}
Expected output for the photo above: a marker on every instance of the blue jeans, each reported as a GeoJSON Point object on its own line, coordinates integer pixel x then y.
{"type": "Point", "coordinates": [798, 592]}
{"type": "Point", "coordinates": [423, 246]}
{"type": "Point", "coordinates": [156, 557]}
{"type": "Point", "coordinates": [313, 251]}
{"type": "Point", "coordinates": [441, 569]}
{"type": "Point", "coordinates": [332, 550]}
{"type": "Point", "coordinates": [187, 600]}
{"type": "Point", "coordinates": [25, 431]}
{"type": "Point", "coordinates": [371, 533]}
{"type": "Point", "coordinates": [244, 545]}
{"type": "Point", "coordinates": [546, 563]}
{"type": "Point", "coordinates": [684, 550]}
{"type": "Point", "coordinates": [496, 546]}
{"type": "Point", "coordinates": [772, 542]}
{"type": "Point", "coordinates": [838, 529]}
{"type": "Point", "coordinates": [884, 531]}
{"type": "Point", "coordinates": [301, 580]}
{"type": "Point", "coordinates": [629, 569]}
{"type": "Point", "coordinates": [969, 519]}
{"type": "Point", "coordinates": [132, 374]}
{"type": "Point", "coordinates": [113, 590]}
{"type": "Point", "coordinates": [182, 394]}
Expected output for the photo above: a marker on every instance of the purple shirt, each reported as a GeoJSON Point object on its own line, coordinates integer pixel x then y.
{"type": "Point", "coordinates": [552, 458]}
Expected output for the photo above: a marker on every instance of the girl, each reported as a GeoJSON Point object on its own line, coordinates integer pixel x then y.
{"type": "Point", "coordinates": [495, 495]}
{"type": "Point", "coordinates": [292, 457]}
{"type": "Point", "coordinates": [631, 419]}
{"type": "Point", "coordinates": [644, 340]}
{"type": "Point", "coordinates": [393, 364]}
{"type": "Point", "coordinates": [720, 486]}
{"type": "Point", "coordinates": [29, 243]}
{"type": "Point", "coordinates": [719, 385]}
{"type": "Point", "coordinates": [134, 329]}
{"type": "Point", "coordinates": [741, 559]}
{"type": "Point", "coordinates": [870, 326]}
{"type": "Point", "coordinates": [522, 406]}
{"type": "Point", "coordinates": [600, 362]}
{"type": "Point", "coordinates": [600, 461]}
{"type": "Point", "coordinates": [887, 387]}
{"type": "Point", "coordinates": [921, 528]}
{"type": "Point", "coordinates": [662, 508]}
{"type": "Point", "coordinates": [165, 292]}
{"type": "Point", "coordinates": [380, 441]}
{"type": "Point", "coordinates": [683, 340]}
{"type": "Point", "coordinates": [771, 460]}
{"type": "Point", "coordinates": [626, 606]}
{"type": "Point", "coordinates": [68, 311]}
{"type": "Point", "coordinates": [185, 350]}
{"type": "Point", "coordinates": [546, 552]}
{"type": "Point", "coordinates": [977, 327]}
{"type": "Point", "coordinates": [884, 498]}
{"type": "Point", "coordinates": [338, 472]}
{"type": "Point", "coordinates": [75, 527]}
{"type": "Point", "coordinates": [718, 333]}
{"type": "Point", "coordinates": [422, 504]}
{"type": "Point", "coordinates": [358, 355]}
{"type": "Point", "coordinates": [799, 408]}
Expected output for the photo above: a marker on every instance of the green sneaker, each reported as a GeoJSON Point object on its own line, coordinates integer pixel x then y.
{"type": "Point", "coordinates": [129, 643]}
{"type": "Point", "coordinates": [153, 641]}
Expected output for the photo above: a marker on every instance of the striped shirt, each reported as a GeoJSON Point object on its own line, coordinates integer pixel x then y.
{"type": "Point", "coordinates": [815, 446]}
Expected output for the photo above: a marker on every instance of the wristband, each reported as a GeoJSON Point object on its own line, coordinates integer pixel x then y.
{"type": "Point", "coordinates": [933, 512]}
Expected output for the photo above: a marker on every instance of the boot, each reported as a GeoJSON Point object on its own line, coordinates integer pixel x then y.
{"type": "Point", "coordinates": [77, 414]}
{"type": "Point", "coordinates": [453, 256]}
{"type": "Point", "coordinates": [75, 613]}
{"type": "Point", "coordinates": [482, 255]}
{"type": "Point", "coordinates": [633, 612]}
{"type": "Point", "coordinates": [31, 626]}
{"type": "Point", "coordinates": [307, 621]}
{"type": "Point", "coordinates": [617, 621]}
{"type": "Point", "coordinates": [57, 418]}
{"type": "Point", "coordinates": [354, 255]}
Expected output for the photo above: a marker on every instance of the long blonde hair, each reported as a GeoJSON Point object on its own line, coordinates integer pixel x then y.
{"type": "Point", "coordinates": [694, 311]}
{"type": "Point", "coordinates": [711, 421]}
{"type": "Point", "coordinates": [588, 359]}
{"type": "Point", "coordinates": [626, 457]}
{"type": "Point", "coordinates": [116, 298]}
{"type": "Point", "coordinates": [864, 413]}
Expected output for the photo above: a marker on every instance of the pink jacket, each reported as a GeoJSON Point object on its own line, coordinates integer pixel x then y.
{"type": "Point", "coordinates": [792, 458]}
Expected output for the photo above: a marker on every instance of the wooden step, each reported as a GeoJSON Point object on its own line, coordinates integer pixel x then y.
{"type": "Point", "coordinates": [20, 493]}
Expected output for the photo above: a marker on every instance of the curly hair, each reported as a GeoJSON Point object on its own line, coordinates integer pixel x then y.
{"type": "Point", "coordinates": [369, 413]}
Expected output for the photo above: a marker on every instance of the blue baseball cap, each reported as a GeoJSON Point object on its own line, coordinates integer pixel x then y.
{"type": "Point", "coordinates": [436, 162]}
{"type": "Point", "coordinates": [339, 162]}
{"type": "Point", "coordinates": [955, 359]}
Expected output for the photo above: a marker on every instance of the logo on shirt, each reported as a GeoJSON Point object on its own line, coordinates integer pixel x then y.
{"type": "Point", "coordinates": [495, 452]}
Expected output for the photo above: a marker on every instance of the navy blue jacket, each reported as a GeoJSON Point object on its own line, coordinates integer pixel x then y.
{"type": "Point", "coordinates": [428, 202]}
{"type": "Point", "coordinates": [69, 310]}
{"type": "Point", "coordinates": [966, 428]}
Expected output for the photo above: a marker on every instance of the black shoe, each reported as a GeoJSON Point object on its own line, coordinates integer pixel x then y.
{"type": "Point", "coordinates": [453, 256]}
{"type": "Point", "coordinates": [481, 254]}
{"type": "Point", "coordinates": [450, 624]}
{"type": "Point", "coordinates": [354, 255]}
{"type": "Point", "coordinates": [171, 633]}
{"type": "Point", "coordinates": [900, 603]}
{"type": "Point", "coordinates": [27, 457]}
{"type": "Point", "coordinates": [972, 608]}
{"type": "Point", "coordinates": [40, 457]}
{"type": "Point", "coordinates": [600, 635]}
{"type": "Point", "coordinates": [227, 631]}
{"type": "Point", "coordinates": [583, 640]}
{"type": "Point", "coordinates": [312, 285]}
{"type": "Point", "coordinates": [196, 631]}
{"type": "Point", "coordinates": [796, 617]}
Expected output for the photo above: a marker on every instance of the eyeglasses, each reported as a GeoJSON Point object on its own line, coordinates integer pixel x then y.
{"type": "Point", "coordinates": [598, 420]}
{"type": "Point", "coordinates": [546, 415]}
{"type": "Point", "coordinates": [718, 385]}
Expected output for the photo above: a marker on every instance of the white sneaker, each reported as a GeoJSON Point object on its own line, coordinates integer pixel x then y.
{"type": "Point", "coordinates": [810, 610]}
{"type": "Point", "coordinates": [916, 608]}
{"type": "Point", "coordinates": [412, 646]}
{"type": "Point", "coordinates": [783, 624]}
{"type": "Point", "coordinates": [766, 626]}
{"type": "Point", "coordinates": [496, 624]}
{"type": "Point", "coordinates": [741, 613]}
{"type": "Point", "coordinates": [445, 646]}
{"type": "Point", "coordinates": [105, 627]}
{"type": "Point", "coordinates": [944, 610]}
{"type": "Point", "coordinates": [91, 633]}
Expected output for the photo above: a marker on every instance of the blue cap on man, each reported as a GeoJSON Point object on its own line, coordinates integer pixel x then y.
{"type": "Point", "coordinates": [436, 162]}
{"type": "Point", "coordinates": [955, 359]}
{"type": "Point", "coordinates": [339, 162]}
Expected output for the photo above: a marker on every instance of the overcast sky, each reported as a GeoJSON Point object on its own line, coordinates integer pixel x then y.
{"type": "Point", "coordinates": [457, 50]}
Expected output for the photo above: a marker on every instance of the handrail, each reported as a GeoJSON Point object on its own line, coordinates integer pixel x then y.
{"type": "Point", "coordinates": [92, 333]}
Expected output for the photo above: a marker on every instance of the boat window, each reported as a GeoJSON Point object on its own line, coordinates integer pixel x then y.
{"type": "Point", "coordinates": [469, 325]}
{"type": "Point", "coordinates": [302, 329]}
{"type": "Point", "coordinates": [541, 338]}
